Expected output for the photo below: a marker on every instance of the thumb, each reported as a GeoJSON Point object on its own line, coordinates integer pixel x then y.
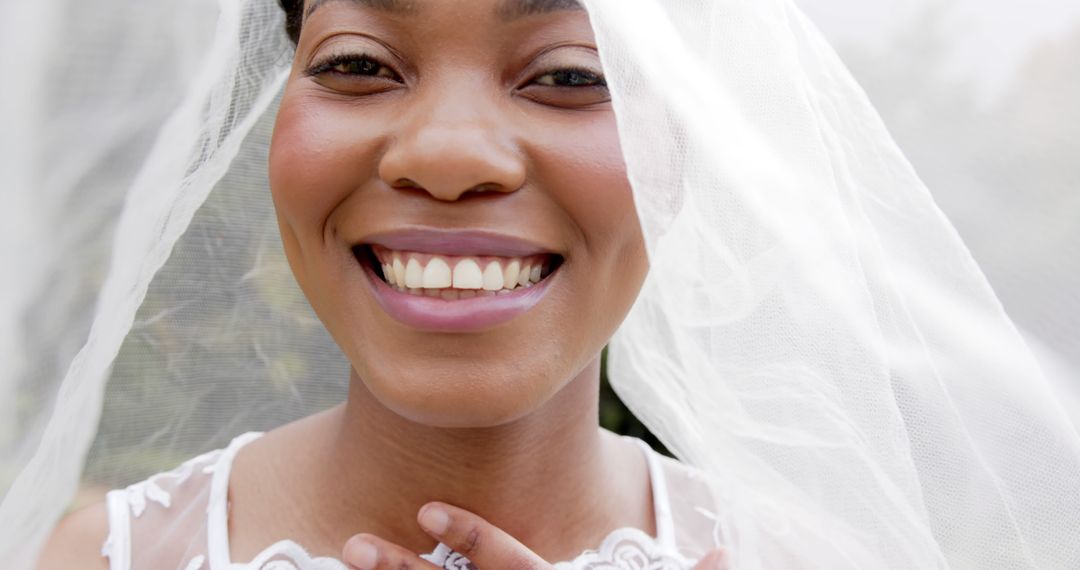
{"type": "Point", "coordinates": [714, 560]}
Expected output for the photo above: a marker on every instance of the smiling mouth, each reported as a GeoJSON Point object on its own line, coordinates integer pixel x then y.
{"type": "Point", "coordinates": [455, 277]}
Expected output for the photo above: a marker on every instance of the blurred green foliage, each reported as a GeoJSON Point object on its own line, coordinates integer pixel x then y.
{"type": "Point", "coordinates": [616, 417]}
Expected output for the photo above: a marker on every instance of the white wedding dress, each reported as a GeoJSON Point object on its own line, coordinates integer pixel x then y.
{"type": "Point", "coordinates": [179, 519]}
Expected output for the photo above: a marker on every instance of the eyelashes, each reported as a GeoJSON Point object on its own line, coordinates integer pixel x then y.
{"type": "Point", "coordinates": [361, 65]}
{"type": "Point", "coordinates": [352, 65]}
{"type": "Point", "coordinates": [571, 77]}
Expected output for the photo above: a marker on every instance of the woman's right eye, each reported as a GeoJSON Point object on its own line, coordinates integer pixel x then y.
{"type": "Point", "coordinates": [353, 66]}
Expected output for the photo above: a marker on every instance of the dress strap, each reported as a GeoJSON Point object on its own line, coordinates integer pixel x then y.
{"type": "Point", "coordinates": [217, 524]}
{"type": "Point", "coordinates": [118, 546]}
{"type": "Point", "coordinates": [665, 525]}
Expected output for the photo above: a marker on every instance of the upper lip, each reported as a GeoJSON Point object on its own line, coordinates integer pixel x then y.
{"type": "Point", "coordinates": [456, 242]}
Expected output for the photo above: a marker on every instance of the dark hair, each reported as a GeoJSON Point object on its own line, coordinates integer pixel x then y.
{"type": "Point", "coordinates": [294, 17]}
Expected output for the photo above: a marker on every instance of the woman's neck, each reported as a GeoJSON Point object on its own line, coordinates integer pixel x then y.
{"type": "Point", "coordinates": [542, 478]}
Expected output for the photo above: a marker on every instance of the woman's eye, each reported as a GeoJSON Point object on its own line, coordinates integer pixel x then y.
{"type": "Point", "coordinates": [353, 66]}
{"type": "Point", "coordinates": [570, 88]}
{"type": "Point", "coordinates": [571, 78]}
{"type": "Point", "coordinates": [363, 67]}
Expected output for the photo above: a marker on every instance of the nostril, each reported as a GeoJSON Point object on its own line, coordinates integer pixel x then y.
{"type": "Point", "coordinates": [485, 187]}
{"type": "Point", "coordinates": [407, 183]}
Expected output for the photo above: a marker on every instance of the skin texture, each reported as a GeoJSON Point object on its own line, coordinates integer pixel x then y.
{"type": "Point", "coordinates": [457, 124]}
{"type": "Point", "coordinates": [463, 141]}
{"type": "Point", "coordinates": [461, 130]}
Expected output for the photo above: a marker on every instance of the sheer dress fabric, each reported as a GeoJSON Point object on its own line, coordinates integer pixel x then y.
{"type": "Point", "coordinates": [179, 519]}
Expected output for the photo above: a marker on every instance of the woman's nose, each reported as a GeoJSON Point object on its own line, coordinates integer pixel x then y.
{"type": "Point", "coordinates": [450, 150]}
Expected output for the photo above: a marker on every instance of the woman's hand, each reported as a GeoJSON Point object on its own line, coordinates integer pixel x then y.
{"type": "Point", "coordinates": [486, 546]}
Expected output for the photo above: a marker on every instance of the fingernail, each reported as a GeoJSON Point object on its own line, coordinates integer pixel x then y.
{"type": "Point", "coordinates": [363, 555]}
{"type": "Point", "coordinates": [435, 520]}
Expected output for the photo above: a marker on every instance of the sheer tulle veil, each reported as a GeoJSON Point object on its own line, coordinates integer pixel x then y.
{"type": "Point", "coordinates": [813, 335]}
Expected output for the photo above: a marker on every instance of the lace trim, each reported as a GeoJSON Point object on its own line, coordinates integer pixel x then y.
{"type": "Point", "coordinates": [623, 549]}
{"type": "Point", "coordinates": [628, 549]}
{"type": "Point", "coordinates": [295, 558]}
{"type": "Point", "coordinates": [151, 490]}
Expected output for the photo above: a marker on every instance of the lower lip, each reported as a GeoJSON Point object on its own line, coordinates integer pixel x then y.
{"type": "Point", "coordinates": [435, 314]}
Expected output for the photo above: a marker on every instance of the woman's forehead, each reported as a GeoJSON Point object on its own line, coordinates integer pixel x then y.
{"type": "Point", "coordinates": [504, 9]}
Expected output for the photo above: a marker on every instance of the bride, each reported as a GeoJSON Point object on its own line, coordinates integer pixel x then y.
{"type": "Point", "coordinates": [453, 203]}
{"type": "Point", "coordinates": [475, 198]}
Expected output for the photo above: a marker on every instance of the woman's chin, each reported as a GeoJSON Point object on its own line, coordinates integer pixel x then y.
{"type": "Point", "coordinates": [481, 403]}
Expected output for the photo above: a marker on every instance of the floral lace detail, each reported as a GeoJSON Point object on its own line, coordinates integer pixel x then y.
{"type": "Point", "coordinates": [151, 489]}
{"type": "Point", "coordinates": [288, 555]}
{"type": "Point", "coordinates": [623, 549]}
{"type": "Point", "coordinates": [627, 549]}
{"type": "Point", "coordinates": [447, 559]}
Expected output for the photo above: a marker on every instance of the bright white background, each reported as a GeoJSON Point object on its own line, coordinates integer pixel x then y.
{"type": "Point", "coordinates": [984, 97]}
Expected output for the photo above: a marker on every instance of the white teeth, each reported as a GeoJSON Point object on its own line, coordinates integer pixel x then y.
{"type": "Point", "coordinates": [437, 274]}
{"type": "Point", "coordinates": [467, 275]}
{"type": "Point", "coordinates": [433, 275]}
{"type": "Point", "coordinates": [510, 274]}
{"type": "Point", "coordinates": [493, 277]}
{"type": "Point", "coordinates": [414, 275]}
{"type": "Point", "coordinates": [399, 271]}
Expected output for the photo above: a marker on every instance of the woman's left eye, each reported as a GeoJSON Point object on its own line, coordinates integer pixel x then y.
{"type": "Point", "coordinates": [571, 78]}
{"type": "Point", "coordinates": [569, 88]}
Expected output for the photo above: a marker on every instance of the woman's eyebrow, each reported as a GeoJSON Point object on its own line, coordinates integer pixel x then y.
{"type": "Point", "coordinates": [514, 9]}
{"type": "Point", "coordinates": [392, 6]}
{"type": "Point", "coordinates": [508, 10]}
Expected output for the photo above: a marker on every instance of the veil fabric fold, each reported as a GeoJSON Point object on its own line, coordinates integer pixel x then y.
{"type": "Point", "coordinates": [813, 335]}
{"type": "Point", "coordinates": [812, 321]}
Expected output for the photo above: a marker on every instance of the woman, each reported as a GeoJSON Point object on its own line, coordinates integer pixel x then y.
{"type": "Point", "coordinates": [451, 193]}
{"type": "Point", "coordinates": [451, 203]}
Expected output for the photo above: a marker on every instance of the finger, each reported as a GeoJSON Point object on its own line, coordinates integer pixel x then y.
{"type": "Point", "coordinates": [714, 560]}
{"type": "Point", "coordinates": [369, 552]}
{"type": "Point", "coordinates": [476, 539]}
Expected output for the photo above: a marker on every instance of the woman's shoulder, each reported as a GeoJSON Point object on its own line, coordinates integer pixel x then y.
{"type": "Point", "coordinates": [153, 523]}
{"type": "Point", "coordinates": [77, 541]}
{"type": "Point", "coordinates": [165, 521]}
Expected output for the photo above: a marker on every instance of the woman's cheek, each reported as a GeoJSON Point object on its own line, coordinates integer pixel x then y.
{"type": "Point", "coordinates": [604, 208]}
{"type": "Point", "coordinates": [302, 174]}
{"type": "Point", "coordinates": [295, 164]}
{"type": "Point", "coordinates": [589, 180]}
{"type": "Point", "coordinates": [317, 158]}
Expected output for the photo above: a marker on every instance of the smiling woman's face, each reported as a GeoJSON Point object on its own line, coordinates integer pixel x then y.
{"type": "Point", "coordinates": [453, 201]}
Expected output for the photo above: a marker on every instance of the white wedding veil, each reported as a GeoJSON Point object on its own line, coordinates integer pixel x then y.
{"type": "Point", "coordinates": [813, 334]}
